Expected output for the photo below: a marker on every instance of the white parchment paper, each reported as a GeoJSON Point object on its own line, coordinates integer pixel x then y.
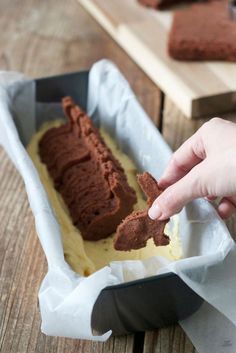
{"type": "Point", "coordinates": [67, 299]}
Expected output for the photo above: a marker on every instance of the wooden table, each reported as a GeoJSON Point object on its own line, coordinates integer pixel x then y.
{"type": "Point", "coordinates": [42, 38]}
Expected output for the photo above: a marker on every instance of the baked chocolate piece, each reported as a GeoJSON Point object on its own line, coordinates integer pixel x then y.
{"type": "Point", "coordinates": [91, 181]}
{"type": "Point", "coordinates": [161, 4]}
{"type": "Point", "coordinates": [204, 31]}
{"type": "Point", "coordinates": [137, 228]}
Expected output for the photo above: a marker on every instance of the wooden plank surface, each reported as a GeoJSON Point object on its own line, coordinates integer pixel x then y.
{"type": "Point", "coordinates": [196, 88]}
{"type": "Point", "coordinates": [42, 38]}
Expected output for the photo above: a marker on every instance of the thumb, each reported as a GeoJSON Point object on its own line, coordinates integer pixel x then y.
{"type": "Point", "coordinates": [176, 196]}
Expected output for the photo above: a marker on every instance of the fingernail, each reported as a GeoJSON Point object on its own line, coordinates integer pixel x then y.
{"type": "Point", "coordinates": [154, 212]}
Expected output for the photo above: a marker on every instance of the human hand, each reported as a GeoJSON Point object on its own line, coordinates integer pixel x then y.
{"type": "Point", "coordinates": [204, 166]}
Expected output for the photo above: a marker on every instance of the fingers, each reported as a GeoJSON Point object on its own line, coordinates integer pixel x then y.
{"type": "Point", "coordinates": [227, 207]}
{"type": "Point", "coordinates": [172, 201]}
{"type": "Point", "coordinates": [176, 196]}
{"type": "Point", "coordinates": [184, 159]}
{"type": "Point", "coordinates": [210, 198]}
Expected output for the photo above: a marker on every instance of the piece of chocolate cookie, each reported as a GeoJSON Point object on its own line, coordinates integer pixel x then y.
{"type": "Point", "coordinates": [204, 31]}
{"type": "Point", "coordinates": [137, 228]}
{"type": "Point", "coordinates": [91, 181]}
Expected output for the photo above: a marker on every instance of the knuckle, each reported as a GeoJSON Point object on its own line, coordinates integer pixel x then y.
{"type": "Point", "coordinates": [176, 163]}
{"type": "Point", "coordinates": [171, 202]}
{"type": "Point", "coordinates": [207, 128]}
{"type": "Point", "coordinates": [211, 122]}
{"type": "Point", "coordinates": [201, 189]}
{"type": "Point", "coordinates": [215, 120]}
{"type": "Point", "coordinates": [200, 184]}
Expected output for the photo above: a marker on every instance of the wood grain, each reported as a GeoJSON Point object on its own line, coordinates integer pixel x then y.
{"type": "Point", "coordinates": [50, 38]}
{"type": "Point", "coordinates": [196, 88]}
{"type": "Point", "coordinates": [42, 38]}
{"type": "Point", "coordinates": [171, 339]}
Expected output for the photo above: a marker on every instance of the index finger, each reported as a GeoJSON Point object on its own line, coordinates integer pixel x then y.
{"type": "Point", "coordinates": [189, 154]}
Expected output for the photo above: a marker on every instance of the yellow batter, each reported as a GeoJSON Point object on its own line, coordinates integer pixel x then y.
{"type": "Point", "coordinates": [85, 257]}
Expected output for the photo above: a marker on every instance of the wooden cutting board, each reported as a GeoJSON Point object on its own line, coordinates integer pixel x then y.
{"type": "Point", "coordinates": [197, 88]}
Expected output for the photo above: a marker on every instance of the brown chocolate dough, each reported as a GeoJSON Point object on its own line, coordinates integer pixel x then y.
{"type": "Point", "coordinates": [91, 181]}
{"type": "Point", "coordinates": [204, 31]}
{"type": "Point", "coordinates": [137, 228]}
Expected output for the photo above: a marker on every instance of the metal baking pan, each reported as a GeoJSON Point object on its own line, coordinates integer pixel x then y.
{"type": "Point", "coordinates": [140, 305]}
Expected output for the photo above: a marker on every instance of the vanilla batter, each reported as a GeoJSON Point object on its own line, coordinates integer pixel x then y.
{"type": "Point", "coordinates": [85, 257]}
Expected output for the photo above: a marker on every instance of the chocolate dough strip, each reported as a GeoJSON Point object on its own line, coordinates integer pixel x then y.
{"type": "Point", "coordinates": [137, 228]}
{"type": "Point", "coordinates": [91, 181]}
